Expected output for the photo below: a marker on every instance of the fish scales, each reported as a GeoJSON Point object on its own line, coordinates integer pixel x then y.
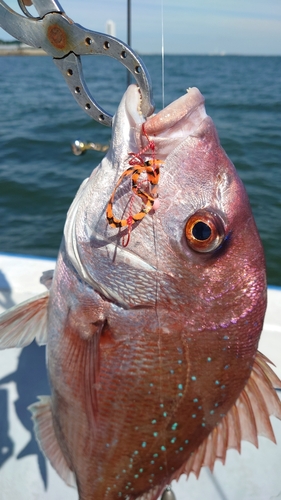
{"type": "Point", "coordinates": [126, 369]}
{"type": "Point", "coordinates": [152, 347]}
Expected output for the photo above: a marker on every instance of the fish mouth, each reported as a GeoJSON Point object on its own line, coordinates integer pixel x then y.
{"type": "Point", "coordinates": [187, 108]}
{"type": "Point", "coordinates": [169, 127]}
{"type": "Point", "coordinates": [173, 124]}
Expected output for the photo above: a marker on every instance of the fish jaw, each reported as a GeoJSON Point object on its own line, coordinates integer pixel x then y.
{"type": "Point", "coordinates": [173, 124]}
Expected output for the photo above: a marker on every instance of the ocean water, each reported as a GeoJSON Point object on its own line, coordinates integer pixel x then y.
{"type": "Point", "coordinates": [39, 120]}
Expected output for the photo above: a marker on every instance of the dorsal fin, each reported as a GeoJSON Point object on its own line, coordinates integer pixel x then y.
{"type": "Point", "coordinates": [247, 419]}
{"type": "Point", "coordinates": [23, 323]}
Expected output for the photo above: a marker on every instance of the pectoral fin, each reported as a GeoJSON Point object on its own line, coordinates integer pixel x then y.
{"type": "Point", "coordinates": [46, 437]}
{"type": "Point", "coordinates": [23, 323]}
{"type": "Point", "coordinates": [246, 420]}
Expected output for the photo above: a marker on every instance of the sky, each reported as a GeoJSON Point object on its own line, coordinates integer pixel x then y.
{"type": "Point", "coordinates": [246, 27]}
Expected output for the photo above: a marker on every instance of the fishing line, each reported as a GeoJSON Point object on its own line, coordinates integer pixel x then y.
{"type": "Point", "coordinates": [155, 232]}
{"type": "Point", "coordinates": [160, 348]}
{"type": "Point", "coordinates": [163, 106]}
{"type": "Point", "coordinates": [163, 54]}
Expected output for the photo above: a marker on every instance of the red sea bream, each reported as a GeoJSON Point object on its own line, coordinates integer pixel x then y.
{"type": "Point", "coordinates": [152, 325]}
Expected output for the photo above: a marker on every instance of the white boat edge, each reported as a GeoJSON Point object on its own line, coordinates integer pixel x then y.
{"type": "Point", "coordinates": [252, 475]}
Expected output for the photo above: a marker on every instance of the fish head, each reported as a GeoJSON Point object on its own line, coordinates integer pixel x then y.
{"type": "Point", "coordinates": [198, 248]}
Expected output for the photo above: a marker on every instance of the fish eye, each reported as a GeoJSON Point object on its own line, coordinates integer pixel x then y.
{"type": "Point", "coordinates": [204, 231]}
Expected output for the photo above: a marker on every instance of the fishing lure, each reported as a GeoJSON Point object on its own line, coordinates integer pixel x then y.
{"type": "Point", "coordinates": [137, 167]}
{"type": "Point", "coordinates": [152, 170]}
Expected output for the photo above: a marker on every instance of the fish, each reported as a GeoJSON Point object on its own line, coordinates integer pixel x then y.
{"type": "Point", "coordinates": [153, 314]}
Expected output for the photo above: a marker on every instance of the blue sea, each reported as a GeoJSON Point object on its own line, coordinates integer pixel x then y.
{"type": "Point", "coordinates": [39, 120]}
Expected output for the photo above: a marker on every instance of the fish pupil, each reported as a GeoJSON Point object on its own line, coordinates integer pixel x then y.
{"type": "Point", "coordinates": [201, 231]}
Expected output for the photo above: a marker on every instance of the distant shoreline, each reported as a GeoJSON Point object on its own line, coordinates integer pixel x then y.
{"type": "Point", "coordinates": [21, 52]}
{"type": "Point", "coordinates": [19, 49]}
{"type": "Point", "coordinates": [25, 50]}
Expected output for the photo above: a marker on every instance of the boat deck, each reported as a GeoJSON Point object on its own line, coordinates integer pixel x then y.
{"type": "Point", "coordinates": [24, 473]}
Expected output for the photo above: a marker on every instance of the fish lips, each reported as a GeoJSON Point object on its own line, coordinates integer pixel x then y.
{"type": "Point", "coordinates": [173, 124]}
{"type": "Point", "coordinates": [167, 128]}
